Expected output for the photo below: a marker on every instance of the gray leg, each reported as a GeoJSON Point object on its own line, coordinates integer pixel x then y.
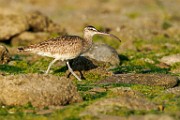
{"type": "Point", "coordinates": [70, 69]}
{"type": "Point", "coordinates": [50, 64]}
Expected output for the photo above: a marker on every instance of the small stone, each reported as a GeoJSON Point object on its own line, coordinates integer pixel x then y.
{"type": "Point", "coordinates": [163, 80]}
{"type": "Point", "coordinates": [4, 55]}
{"type": "Point", "coordinates": [148, 60]}
{"type": "Point", "coordinates": [44, 112]}
{"type": "Point", "coordinates": [171, 59]}
{"type": "Point", "coordinates": [38, 89]}
{"type": "Point", "coordinates": [175, 90]}
{"type": "Point", "coordinates": [98, 90]}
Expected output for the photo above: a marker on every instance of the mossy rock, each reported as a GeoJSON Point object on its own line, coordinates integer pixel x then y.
{"type": "Point", "coordinates": [163, 80]}
{"type": "Point", "coordinates": [38, 89]}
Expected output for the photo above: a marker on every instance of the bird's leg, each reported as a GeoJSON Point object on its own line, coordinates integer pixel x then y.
{"type": "Point", "coordinates": [69, 75]}
{"type": "Point", "coordinates": [82, 76]}
{"type": "Point", "coordinates": [70, 69]}
{"type": "Point", "coordinates": [50, 64]}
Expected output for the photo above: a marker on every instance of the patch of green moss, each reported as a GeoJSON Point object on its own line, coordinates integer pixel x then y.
{"type": "Point", "coordinates": [149, 91]}
{"type": "Point", "coordinates": [93, 77]}
{"type": "Point", "coordinates": [166, 25]}
{"type": "Point", "coordinates": [70, 112]}
{"type": "Point", "coordinates": [143, 68]}
{"type": "Point", "coordinates": [133, 15]}
{"type": "Point", "coordinates": [53, 35]}
{"type": "Point", "coordinates": [169, 101]}
{"type": "Point", "coordinates": [10, 69]}
{"type": "Point", "coordinates": [84, 87]}
{"type": "Point", "coordinates": [92, 96]}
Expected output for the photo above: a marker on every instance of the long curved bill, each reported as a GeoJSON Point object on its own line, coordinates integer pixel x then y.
{"type": "Point", "coordinates": [111, 35]}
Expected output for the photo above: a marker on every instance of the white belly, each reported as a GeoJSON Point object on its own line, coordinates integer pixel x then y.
{"type": "Point", "coordinates": [58, 56]}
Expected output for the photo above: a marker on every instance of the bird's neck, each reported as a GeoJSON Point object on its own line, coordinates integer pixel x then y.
{"type": "Point", "coordinates": [87, 43]}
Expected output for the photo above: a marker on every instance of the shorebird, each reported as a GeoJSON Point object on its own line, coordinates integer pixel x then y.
{"type": "Point", "coordinates": [65, 48]}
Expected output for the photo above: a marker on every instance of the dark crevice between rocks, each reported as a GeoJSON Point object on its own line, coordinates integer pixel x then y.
{"type": "Point", "coordinates": [8, 42]}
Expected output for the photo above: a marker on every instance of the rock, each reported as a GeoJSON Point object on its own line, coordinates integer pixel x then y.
{"type": "Point", "coordinates": [27, 38]}
{"type": "Point", "coordinates": [163, 80]}
{"type": "Point", "coordinates": [39, 22]}
{"type": "Point", "coordinates": [123, 97]}
{"type": "Point", "coordinates": [137, 117]}
{"type": "Point", "coordinates": [38, 89]}
{"type": "Point", "coordinates": [11, 25]}
{"type": "Point", "coordinates": [111, 104]}
{"type": "Point", "coordinates": [175, 90]}
{"type": "Point", "coordinates": [171, 59]}
{"type": "Point", "coordinates": [103, 53]}
{"type": "Point", "coordinates": [4, 55]}
{"type": "Point", "coordinates": [151, 117]}
{"type": "Point", "coordinates": [98, 90]}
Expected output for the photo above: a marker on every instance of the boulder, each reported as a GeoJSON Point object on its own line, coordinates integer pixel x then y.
{"type": "Point", "coordinates": [103, 53]}
{"type": "Point", "coordinates": [123, 97]}
{"type": "Point", "coordinates": [38, 89]}
{"type": "Point", "coordinates": [11, 25]}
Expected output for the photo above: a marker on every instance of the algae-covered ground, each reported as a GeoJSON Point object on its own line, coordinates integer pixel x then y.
{"type": "Point", "coordinates": [149, 30]}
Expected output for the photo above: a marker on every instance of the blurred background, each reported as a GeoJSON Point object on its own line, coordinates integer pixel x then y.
{"type": "Point", "coordinates": [122, 16]}
{"type": "Point", "coordinates": [141, 24]}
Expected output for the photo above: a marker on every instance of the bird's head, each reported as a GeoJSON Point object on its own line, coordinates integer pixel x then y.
{"type": "Point", "coordinates": [90, 31]}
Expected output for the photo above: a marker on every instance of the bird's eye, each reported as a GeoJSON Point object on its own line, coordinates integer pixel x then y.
{"type": "Point", "coordinates": [93, 29]}
{"type": "Point", "coordinates": [90, 28]}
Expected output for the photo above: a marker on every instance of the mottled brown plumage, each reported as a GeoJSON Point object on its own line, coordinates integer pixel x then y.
{"type": "Point", "coordinates": [65, 48]}
{"type": "Point", "coordinates": [58, 47]}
